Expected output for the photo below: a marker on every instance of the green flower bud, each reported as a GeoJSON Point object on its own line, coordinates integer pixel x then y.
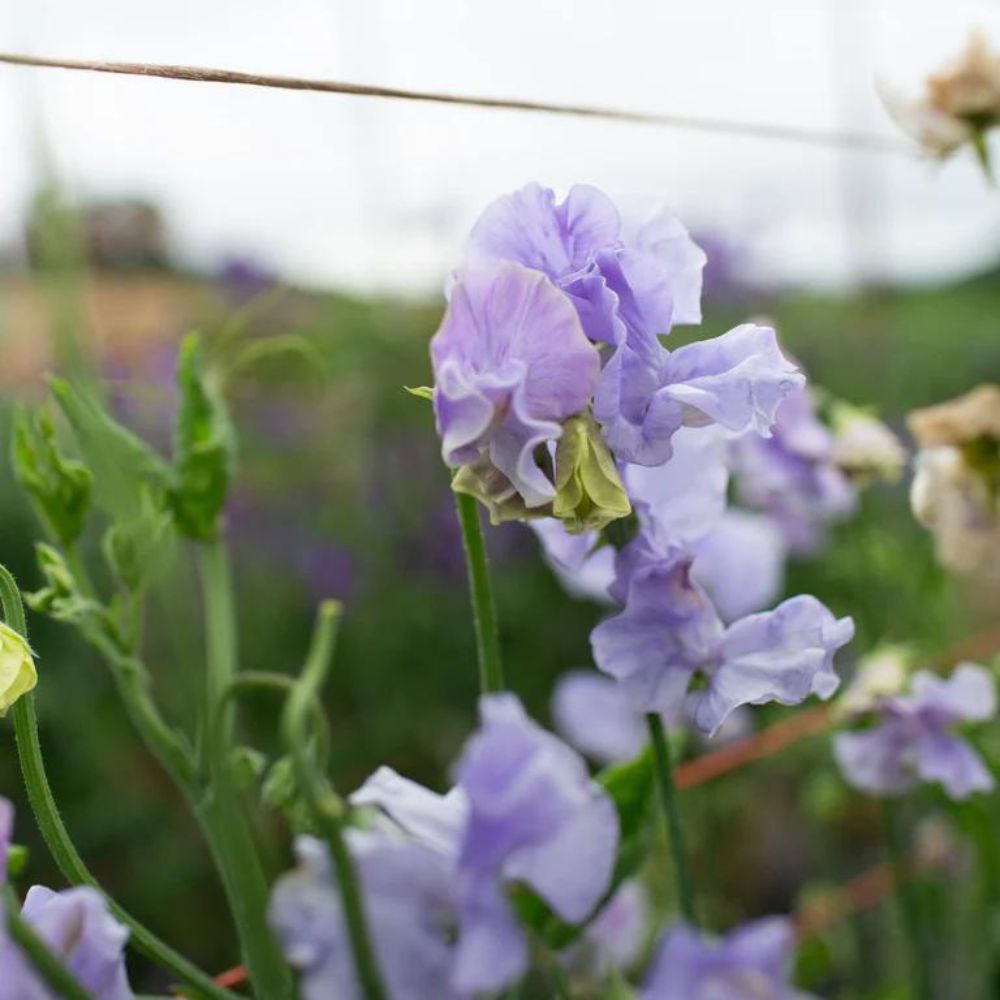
{"type": "Point", "coordinates": [589, 491]}
{"type": "Point", "coordinates": [17, 668]}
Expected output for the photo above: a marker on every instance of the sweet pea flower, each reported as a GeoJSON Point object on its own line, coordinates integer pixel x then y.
{"type": "Point", "coordinates": [535, 817]}
{"type": "Point", "coordinates": [17, 668]}
{"type": "Point", "coordinates": [76, 926]}
{"type": "Point", "coordinates": [914, 739]}
{"type": "Point", "coordinates": [792, 475]}
{"type": "Point", "coordinates": [511, 364]}
{"type": "Point", "coordinates": [752, 962]}
{"type": "Point", "coordinates": [669, 632]}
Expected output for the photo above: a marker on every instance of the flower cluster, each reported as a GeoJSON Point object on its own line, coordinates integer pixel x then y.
{"type": "Point", "coordinates": [437, 871]}
{"type": "Point", "coordinates": [556, 316]}
{"type": "Point", "coordinates": [77, 928]}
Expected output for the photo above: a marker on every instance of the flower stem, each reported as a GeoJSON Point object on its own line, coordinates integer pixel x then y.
{"type": "Point", "coordinates": [220, 810]}
{"type": "Point", "coordinates": [906, 900]}
{"type": "Point", "coordinates": [55, 834]}
{"type": "Point", "coordinates": [668, 799]}
{"type": "Point", "coordinates": [481, 592]}
{"type": "Point", "coordinates": [38, 953]}
{"type": "Point", "coordinates": [324, 805]}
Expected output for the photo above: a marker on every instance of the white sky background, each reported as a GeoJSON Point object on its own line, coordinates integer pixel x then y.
{"type": "Point", "coordinates": [371, 194]}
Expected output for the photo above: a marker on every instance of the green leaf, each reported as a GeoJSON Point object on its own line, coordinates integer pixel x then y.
{"type": "Point", "coordinates": [123, 466]}
{"type": "Point", "coordinates": [632, 789]}
{"type": "Point", "coordinates": [59, 487]}
{"type": "Point", "coordinates": [420, 391]}
{"type": "Point", "coordinates": [138, 548]}
{"type": "Point", "coordinates": [203, 449]}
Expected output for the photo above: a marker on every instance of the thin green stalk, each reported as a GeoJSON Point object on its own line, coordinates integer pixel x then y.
{"type": "Point", "coordinates": [220, 810]}
{"type": "Point", "coordinates": [668, 799]}
{"type": "Point", "coordinates": [38, 953]}
{"type": "Point", "coordinates": [481, 592]}
{"type": "Point", "coordinates": [55, 834]}
{"type": "Point", "coordinates": [906, 900]}
{"type": "Point", "coordinates": [324, 805]}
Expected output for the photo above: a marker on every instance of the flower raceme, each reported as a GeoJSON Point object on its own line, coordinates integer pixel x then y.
{"type": "Point", "coordinates": [76, 926]}
{"type": "Point", "coordinates": [913, 740]}
{"type": "Point", "coordinates": [436, 869]}
{"type": "Point", "coordinates": [543, 286]}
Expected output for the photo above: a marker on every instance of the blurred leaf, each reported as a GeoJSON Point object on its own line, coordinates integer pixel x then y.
{"type": "Point", "coordinates": [136, 550]}
{"type": "Point", "coordinates": [59, 487]}
{"type": "Point", "coordinates": [203, 446]}
{"type": "Point", "coordinates": [17, 860]}
{"type": "Point", "coordinates": [124, 467]}
{"type": "Point", "coordinates": [261, 350]}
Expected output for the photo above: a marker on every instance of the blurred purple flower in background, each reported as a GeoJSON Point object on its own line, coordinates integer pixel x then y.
{"type": "Point", "coordinates": [752, 962]}
{"type": "Point", "coordinates": [615, 938]}
{"type": "Point", "coordinates": [511, 363]}
{"type": "Point", "coordinates": [792, 475]}
{"type": "Point", "coordinates": [76, 926]}
{"type": "Point", "coordinates": [914, 741]}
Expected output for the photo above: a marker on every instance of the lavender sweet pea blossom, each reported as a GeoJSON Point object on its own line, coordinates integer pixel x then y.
{"type": "Point", "coordinates": [534, 817]}
{"type": "Point", "coordinates": [616, 936]}
{"type": "Point", "coordinates": [752, 962]}
{"type": "Point", "coordinates": [669, 632]}
{"type": "Point", "coordinates": [511, 363]}
{"type": "Point", "coordinates": [77, 927]}
{"type": "Point", "coordinates": [914, 740]}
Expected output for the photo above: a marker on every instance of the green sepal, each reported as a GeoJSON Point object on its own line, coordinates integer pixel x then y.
{"type": "Point", "coordinates": [203, 449]}
{"type": "Point", "coordinates": [123, 466]}
{"type": "Point", "coordinates": [59, 487]}
{"type": "Point", "coordinates": [589, 491]}
{"type": "Point", "coordinates": [280, 791]}
{"type": "Point", "coordinates": [420, 391]}
{"type": "Point", "coordinates": [496, 493]}
{"type": "Point", "coordinates": [631, 788]}
{"type": "Point", "coordinates": [246, 765]}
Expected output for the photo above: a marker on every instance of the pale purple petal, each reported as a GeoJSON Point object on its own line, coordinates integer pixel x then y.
{"type": "Point", "coordinates": [782, 655]}
{"type": "Point", "coordinates": [585, 568]}
{"type": "Point", "coordinates": [434, 820]}
{"type": "Point", "coordinates": [528, 227]}
{"type": "Point", "coordinates": [592, 714]}
{"type": "Point", "coordinates": [950, 761]}
{"type": "Point", "coordinates": [77, 926]}
{"type": "Point", "coordinates": [511, 362]}
{"type": "Point", "coordinates": [737, 380]}
{"type": "Point", "coordinates": [876, 760]}
{"type": "Point", "coordinates": [614, 939]}
{"type": "Point", "coordinates": [741, 563]}
{"type": "Point", "coordinates": [6, 835]}
{"type": "Point", "coordinates": [681, 260]}
{"type": "Point", "coordinates": [968, 694]}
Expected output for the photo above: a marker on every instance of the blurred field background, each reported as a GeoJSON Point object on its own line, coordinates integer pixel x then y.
{"type": "Point", "coordinates": [341, 491]}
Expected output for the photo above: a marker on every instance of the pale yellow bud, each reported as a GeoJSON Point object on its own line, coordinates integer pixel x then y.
{"type": "Point", "coordinates": [17, 668]}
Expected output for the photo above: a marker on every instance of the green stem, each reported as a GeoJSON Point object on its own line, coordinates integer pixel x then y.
{"type": "Point", "coordinates": [55, 834]}
{"type": "Point", "coordinates": [220, 810]}
{"type": "Point", "coordinates": [906, 900]}
{"type": "Point", "coordinates": [38, 953]}
{"type": "Point", "coordinates": [480, 591]}
{"type": "Point", "coordinates": [326, 808]}
{"type": "Point", "coordinates": [668, 799]}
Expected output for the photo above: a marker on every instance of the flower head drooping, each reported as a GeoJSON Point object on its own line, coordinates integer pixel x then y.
{"type": "Point", "coordinates": [511, 364]}
{"type": "Point", "coordinates": [17, 668]}
{"type": "Point", "coordinates": [956, 490]}
{"type": "Point", "coordinates": [958, 105]}
{"type": "Point", "coordinates": [753, 961]}
{"type": "Point", "coordinates": [669, 632]}
{"type": "Point", "coordinates": [76, 926]}
{"type": "Point", "coordinates": [534, 817]}
{"type": "Point", "coordinates": [914, 742]}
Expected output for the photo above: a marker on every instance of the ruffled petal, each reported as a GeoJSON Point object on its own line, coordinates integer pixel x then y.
{"type": "Point", "coordinates": [875, 760]}
{"type": "Point", "coordinates": [592, 714]}
{"type": "Point", "coordinates": [951, 761]}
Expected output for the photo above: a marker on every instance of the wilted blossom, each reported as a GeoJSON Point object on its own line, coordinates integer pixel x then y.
{"type": "Point", "coordinates": [958, 104]}
{"type": "Point", "coordinates": [956, 490]}
{"type": "Point", "coordinates": [511, 364]}
{"type": "Point", "coordinates": [881, 673]}
{"type": "Point", "coordinates": [792, 475]}
{"type": "Point", "coordinates": [914, 738]}
{"type": "Point", "coordinates": [669, 632]}
{"type": "Point", "coordinates": [863, 446]}
{"type": "Point", "coordinates": [436, 869]}
{"type": "Point", "coordinates": [628, 289]}
{"type": "Point", "coordinates": [76, 926]}
{"type": "Point", "coordinates": [752, 962]}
